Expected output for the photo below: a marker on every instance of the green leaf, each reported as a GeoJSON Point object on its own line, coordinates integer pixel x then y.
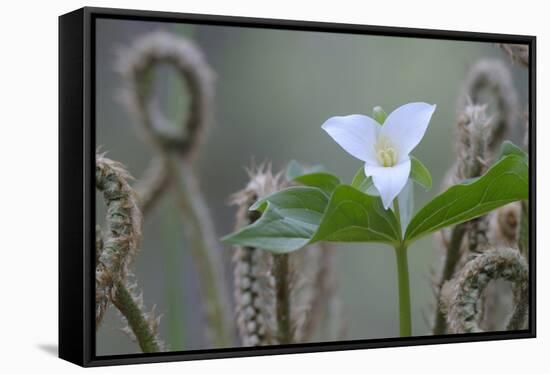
{"type": "Point", "coordinates": [352, 216]}
{"type": "Point", "coordinates": [420, 173]}
{"type": "Point", "coordinates": [324, 181]}
{"type": "Point", "coordinates": [289, 220]}
{"type": "Point", "coordinates": [508, 148]}
{"type": "Point", "coordinates": [295, 170]}
{"type": "Point", "coordinates": [505, 182]}
{"type": "Point", "coordinates": [298, 216]}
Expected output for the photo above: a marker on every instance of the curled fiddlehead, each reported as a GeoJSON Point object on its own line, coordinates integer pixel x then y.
{"type": "Point", "coordinates": [115, 250]}
{"type": "Point", "coordinates": [462, 296]}
{"type": "Point", "coordinates": [176, 146]}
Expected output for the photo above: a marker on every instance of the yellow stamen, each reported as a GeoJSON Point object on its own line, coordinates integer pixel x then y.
{"type": "Point", "coordinates": [386, 153]}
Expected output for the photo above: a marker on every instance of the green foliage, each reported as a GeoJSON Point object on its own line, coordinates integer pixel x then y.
{"type": "Point", "coordinates": [297, 216]}
{"type": "Point", "coordinates": [295, 170]}
{"type": "Point", "coordinates": [509, 148]}
{"type": "Point", "coordinates": [324, 181]}
{"type": "Point", "coordinates": [353, 216]}
{"type": "Point", "coordinates": [420, 174]}
{"type": "Point", "coordinates": [503, 183]}
{"type": "Point", "coordinates": [315, 176]}
{"type": "Point", "coordinates": [289, 220]}
{"type": "Point", "coordinates": [326, 210]}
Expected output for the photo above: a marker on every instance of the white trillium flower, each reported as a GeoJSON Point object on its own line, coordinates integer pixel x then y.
{"type": "Point", "coordinates": [384, 148]}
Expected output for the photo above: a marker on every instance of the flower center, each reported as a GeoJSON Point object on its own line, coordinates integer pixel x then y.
{"type": "Point", "coordinates": [386, 153]}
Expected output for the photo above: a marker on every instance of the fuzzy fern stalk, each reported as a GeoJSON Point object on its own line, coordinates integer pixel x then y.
{"type": "Point", "coordinates": [123, 221]}
{"type": "Point", "coordinates": [101, 296]}
{"type": "Point", "coordinates": [461, 296]}
{"type": "Point", "coordinates": [306, 277]}
{"type": "Point", "coordinates": [523, 235]}
{"type": "Point", "coordinates": [250, 297]}
{"type": "Point", "coordinates": [137, 64]}
{"type": "Point", "coordinates": [117, 250]}
{"type": "Point", "coordinates": [518, 53]}
{"type": "Point", "coordinates": [280, 299]}
{"type": "Point", "coordinates": [503, 232]}
{"type": "Point", "coordinates": [523, 240]}
{"type": "Point", "coordinates": [283, 274]}
{"type": "Point", "coordinates": [176, 146]}
{"type": "Point", "coordinates": [254, 283]}
{"type": "Point", "coordinates": [479, 135]}
{"type": "Point", "coordinates": [199, 231]}
{"type": "Point", "coordinates": [326, 310]}
{"type": "Point", "coordinates": [472, 160]}
{"type": "Point", "coordinates": [490, 81]}
{"type": "Point", "coordinates": [152, 185]}
{"type": "Point", "coordinates": [504, 225]}
{"type": "Point", "coordinates": [142, 327]}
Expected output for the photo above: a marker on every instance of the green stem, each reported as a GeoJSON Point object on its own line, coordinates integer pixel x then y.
{"type": "Point", "coordinates": [402, 280]}
{"type": "Point", "coordinates": [404, 291]}
{"type": "Point", "coordinates": [137, 321]}
{"type": "Point", "coordinates": [397, 213]}
{"type": "Point", "coordinates": [199, 231]}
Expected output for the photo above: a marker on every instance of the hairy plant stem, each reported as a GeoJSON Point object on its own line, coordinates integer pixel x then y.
{"type": "Point", "coordinates": [405, 326]}
{"type": "Point", "coordinates": [451, 260]}
{"type": "Point", "coordinates": [198, 229]}
{"type": "Point", "coordinates": [523, 240]}
{"type": "Point", "coordinates": [281, 271]}
{"type": "Point", "coordinates": [140, 327]}
{"type": "Point", "coordinates": [176, 152]}
{"type": "Point", "coordinates": [116, 252]}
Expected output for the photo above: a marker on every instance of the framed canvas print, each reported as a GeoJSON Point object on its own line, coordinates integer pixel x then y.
{"type": "Point", "coordinates": [235, 186]}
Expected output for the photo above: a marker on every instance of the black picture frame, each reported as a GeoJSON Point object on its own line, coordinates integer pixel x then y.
{"type": "Point", "coordinates": [77, 190]}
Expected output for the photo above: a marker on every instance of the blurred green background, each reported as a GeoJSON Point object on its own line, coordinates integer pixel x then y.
{"type": "Point", "coordinates": [274, 89]}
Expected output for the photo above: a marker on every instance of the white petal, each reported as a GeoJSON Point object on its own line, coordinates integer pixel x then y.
{"type": "Point", "coordinates": [389, 181]}
{"type": "Point", "coordinates": [405, 126]}
{"type": "Point", "coordinates": [356, 133]}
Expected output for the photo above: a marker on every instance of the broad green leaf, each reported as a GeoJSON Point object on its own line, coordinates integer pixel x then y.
{"type": "Point", "coordinates": [420, 173]}
{"type": "Point", "coordinates": [508, 148]}
{"type": "Point", "coordinates": [352, 216]}
{"type": "Point", "coordinates": [324, 181]}
{"type": "Point", "coordinates": [293, 198]}
{"type": "Point", "coordinates": [505, 182]}
{"type": "Point", "coordinates": [295, 170]}
{"type": "Point", "coordinates": [297, 216]}
{"type": "Point", "coordinates": [289, 220]}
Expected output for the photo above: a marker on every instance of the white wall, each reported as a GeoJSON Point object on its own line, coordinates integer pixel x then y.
{"type": "Point", "coordinates": [28, 170]}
